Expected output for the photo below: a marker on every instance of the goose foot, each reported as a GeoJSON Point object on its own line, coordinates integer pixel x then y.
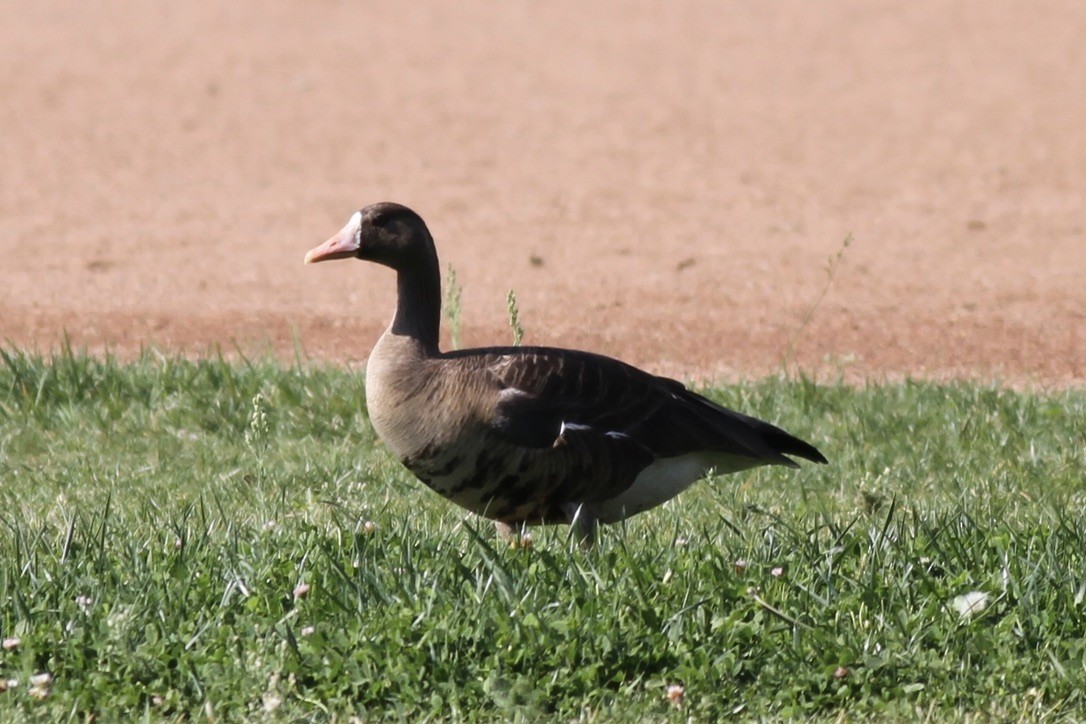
{"type": "Point", "coordinates": [514, 536]}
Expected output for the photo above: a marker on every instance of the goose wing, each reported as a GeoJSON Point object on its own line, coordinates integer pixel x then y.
{"type": "Point", "coordinates": [542, 390]}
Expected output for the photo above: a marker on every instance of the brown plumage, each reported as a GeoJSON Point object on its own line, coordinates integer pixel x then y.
{"type": "Point", "coordinates": [526, 435]}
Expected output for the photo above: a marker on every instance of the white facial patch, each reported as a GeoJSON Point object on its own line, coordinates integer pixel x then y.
{"type": "Point", "coordinates": [355, 225]}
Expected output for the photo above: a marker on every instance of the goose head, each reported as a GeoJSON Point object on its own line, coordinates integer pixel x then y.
{"type": "Point", "coordinates": [385, 233]}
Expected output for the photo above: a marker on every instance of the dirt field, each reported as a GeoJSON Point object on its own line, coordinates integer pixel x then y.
{"type": "Point", "coordinates": [663, 182]}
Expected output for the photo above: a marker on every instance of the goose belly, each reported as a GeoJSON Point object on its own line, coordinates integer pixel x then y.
{"type": "Point", "coordinates": [659, 482]}
{"type": "Point", "coordinates": [491, 480]}
{"type": "Point", "coordinates": [663, 480]}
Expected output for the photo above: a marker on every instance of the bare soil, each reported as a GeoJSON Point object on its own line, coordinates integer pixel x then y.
{"type": "Point", "coordinates": [664, 182]}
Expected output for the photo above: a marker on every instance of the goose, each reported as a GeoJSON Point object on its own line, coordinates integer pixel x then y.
{"type": "Point", "coordinates": [533, 435]}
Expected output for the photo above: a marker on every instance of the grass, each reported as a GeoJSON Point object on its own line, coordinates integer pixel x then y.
{"type": "Point", "coordinates": [833, 265]}
{"type": "Point", "coordinates": [183, 539]}
{"type": "Point", "coordinates": [451, 306]}
{"type": "Point", "coordinates": [514, 318]}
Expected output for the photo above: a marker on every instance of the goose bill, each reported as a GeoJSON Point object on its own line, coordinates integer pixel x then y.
{"type": "Point", "coordinates": [343, 245]}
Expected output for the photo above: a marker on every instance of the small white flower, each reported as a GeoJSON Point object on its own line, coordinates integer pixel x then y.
{"type": "Point", "coordinates": [675, 693]}
{"type": "Point", "coordinates": [369, 526]}
{"type": "Point", "coordinates": [307, 631]}
{"type": "Point", "coordinates": [272, 701]}
{"type": "Point", "coordinates": [970, 603]}
{"type": "Point", "coordinates": [39, 685]}
{"type": "Point", "coordinates": [777, 572]}
{"type": "Point", "coordinates": [741, 566]}
{"type": "Point", "coordinates": [42, 679]}
{"type": "Point", "coordinates": [117, 617]}
{"type": "Point", "coordinates": [11, 684]}
{"type": "Point", "coordinates": [11, 643]}
{"type": "Point", "coordinates": [301, 590]}
{"type": "Point", "coordinates": [681, 542]}
{"type": "Point", "coordinates": [84, 603]}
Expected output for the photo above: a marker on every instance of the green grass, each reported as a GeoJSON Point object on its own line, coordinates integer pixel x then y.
{"type": "Point", "coordinates": [157, 516]}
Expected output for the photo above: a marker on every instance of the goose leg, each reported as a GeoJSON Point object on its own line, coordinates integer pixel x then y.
{"type": "Point", "coordinates": [583, 524]}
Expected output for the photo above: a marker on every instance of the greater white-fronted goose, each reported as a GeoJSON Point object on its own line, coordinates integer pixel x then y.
{"type": "Point", "coordinates": [527, 435]}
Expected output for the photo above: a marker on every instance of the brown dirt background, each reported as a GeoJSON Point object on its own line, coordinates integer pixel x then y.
{"type": "Point", "coordinates": [659, 181]}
